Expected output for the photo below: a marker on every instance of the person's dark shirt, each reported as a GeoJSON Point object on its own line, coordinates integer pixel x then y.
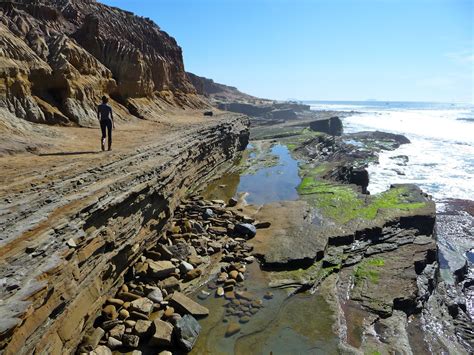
{"type": "Point", "coordinates": [105, 112]}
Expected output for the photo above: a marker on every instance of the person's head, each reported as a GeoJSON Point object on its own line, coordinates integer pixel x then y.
{"type": "Point", "coordinates": [105, 99]}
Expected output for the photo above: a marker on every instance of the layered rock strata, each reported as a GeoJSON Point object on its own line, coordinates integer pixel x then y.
{"type": "Point", "coordinates": [63, 253]}
{"type": "Point", "coordinates": [57, 59]}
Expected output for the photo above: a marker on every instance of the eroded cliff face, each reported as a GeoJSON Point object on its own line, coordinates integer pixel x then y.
{"type": "Point", "coordinates": [65, 251]}
{"type": "Point", "coordinates": [57, 58]}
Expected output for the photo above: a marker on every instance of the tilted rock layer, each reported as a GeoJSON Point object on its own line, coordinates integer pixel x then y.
{"type": "Point", "coordinates": [64, 252]}
{"type": "Point", "coordinates": [57, 58]}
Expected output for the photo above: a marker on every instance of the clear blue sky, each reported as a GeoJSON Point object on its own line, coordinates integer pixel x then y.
{"type": "Point", "coordinates": [416, 50]}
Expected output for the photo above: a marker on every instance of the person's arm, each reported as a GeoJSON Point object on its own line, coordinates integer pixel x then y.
{"type": "Point", "coordinates": [112, 118]}
{"type": "Point", "coordinates": [98, 113]}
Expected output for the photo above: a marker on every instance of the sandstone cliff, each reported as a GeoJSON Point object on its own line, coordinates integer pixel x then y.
{"type": "Point", "coordinates": [219, 93]}
{"type": "Point", "coordinates": [57, 58]}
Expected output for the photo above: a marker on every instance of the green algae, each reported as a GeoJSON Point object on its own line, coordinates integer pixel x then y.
{"type": "Point", "coordinates": [343, 204]}
{"type": "Point", "coordinates": [367, 270]}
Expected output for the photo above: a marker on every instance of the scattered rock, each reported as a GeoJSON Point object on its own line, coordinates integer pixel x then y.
{"type": "Point", "coordinates": [268, 295]}
{"type": "Point", "coordinates": [92, 339]}
{"type": "Point", "coordinates": [246, 230]}
{"type": "Point", "coordinates": [244, 319]}
{"type": "Point", "coordinates": [185, 267]}
{"type": "Point", "coordinates": [130, 340]}
{"type": "Point", "coordinates": [232, 329]}
{"type": "Point", "coordinates": [110, 311]}
{"type": "Point", "coordinates": [142, 327]}
{"type": "Point", "coordinates": [192, 274]}
{"type": "Point", "coordinates": [124, 314]}
{"type": "Point", "coordinates": [113, 343]}
{"type": "Point", "coordinates": [143, 305]}
{"type": "Point", "coordinates": [232, 202]}
{"type": "Point", "coordinates": [188, 306]}
{"type": "Point", "coordinates": [162, 333]}
{"type": "Point", "coordinates": [160, 269]}
{"type": "Point", "coordinates": [220, 291]}
{"type": "Point", "coordinates": [102, 350]}
{"type": "Point", "coordinates": [187, 331]}
{"type": "Point", "coordinates": [156, 295]}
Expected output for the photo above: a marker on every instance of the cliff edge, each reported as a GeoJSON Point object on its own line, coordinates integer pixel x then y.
{"type": "Point", "coordinates": [57, 58]}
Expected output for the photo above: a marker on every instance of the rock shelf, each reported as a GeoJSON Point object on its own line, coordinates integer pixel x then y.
{"type": "Point", "coordinates": [65, 252]}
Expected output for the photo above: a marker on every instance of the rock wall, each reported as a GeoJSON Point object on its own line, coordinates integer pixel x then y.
{"type": "Point", "coordinates": [57, 58]}
{"type": "Point", "coordinates": [331, 126]}
{"type": "Point", "coordinates": [63, 253]}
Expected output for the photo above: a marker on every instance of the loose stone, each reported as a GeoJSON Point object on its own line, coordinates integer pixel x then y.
{"type": "Point", "coordinates": [101, 350]}
{"type": "Point", "coordinates": [246, 230]}
{"type": "Point", "coordinates": [142, 305]}
{"type": "Point", "coordinates": [124, 314]}
{"type": "Point", "coordinates": [109, 324]}
{"type": "Point", "coordinates": [229, 295]}
{"type": "Point", "coordinates": [93, 338]}
{"type": "Point", "coordinates": [142, 327]}
{"type": "Point", "coordinates": [130, 340]}
{"type": "Point", "coordinates": [113, 343]}
{"type": "Point", "coordinates": [110, 311]}
{"type": "Point", "coordinates": [187, 331]}
{"type": "Point", "coordinates": [117, 331]}
{"type": "Point", "coordinates": [187, 305]}
{"type": "Point", "coordinates": [191, 275]}
{"type": "Point", "coordinates": [162, 334]}
{"type": "Point", "coordinates": [130, 323]}
{"type": "Point", "coordinates": [156, 295]}
{"type": "Point", "coordinates": [220, 291]}
{"type": "Point", "coordinates": [232, 329]}
{"type": "Point", "coordinates": [169, 312]}
{"type": "Point", "coordinates": [244, 319]}
{"type": "Point", "coordinates": [115, 301]}
{"type": "Point", "coordinates": [268, 295]}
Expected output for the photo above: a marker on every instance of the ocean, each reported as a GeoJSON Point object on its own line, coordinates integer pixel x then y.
{"type": "Point", "coordinates": [441, 153]}
{"type": "Point", "coordinates": [440, 159]}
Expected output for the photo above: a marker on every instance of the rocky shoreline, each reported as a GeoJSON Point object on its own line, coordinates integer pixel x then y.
{"type": "Point", "coordinates": [65, 252]}
{"type": "Point", "coordinates": [205, 239]}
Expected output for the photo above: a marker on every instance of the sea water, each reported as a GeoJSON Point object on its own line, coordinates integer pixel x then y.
{"type": "Point", "coordinates": [441, 153]}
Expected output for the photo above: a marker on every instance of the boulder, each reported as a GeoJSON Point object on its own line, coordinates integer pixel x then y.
{"type": "Point", "coordinates": [245, 230]}
{"type": "Point", "coordinates": [331, 126]}
{"type": "Point", "coordinates": [186, 305]}
{"type": "Point", "coordinates": [187, 331]}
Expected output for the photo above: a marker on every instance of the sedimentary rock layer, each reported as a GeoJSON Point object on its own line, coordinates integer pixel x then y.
{"type": "Point", "coordinates": [64, 252]}
{"type": "Point", "coordinates": [57, 58]}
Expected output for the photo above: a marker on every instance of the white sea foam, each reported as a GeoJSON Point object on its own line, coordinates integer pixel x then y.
{"type": "Point", "coordinates": [441, 153]}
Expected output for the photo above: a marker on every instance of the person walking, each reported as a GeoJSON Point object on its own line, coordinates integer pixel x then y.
{"type": "Point", "coordinates": [106, 119]}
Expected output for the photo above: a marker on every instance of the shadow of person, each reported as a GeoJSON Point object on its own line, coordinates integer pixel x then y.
{"type": "Point", "coordinates": [67, 153]}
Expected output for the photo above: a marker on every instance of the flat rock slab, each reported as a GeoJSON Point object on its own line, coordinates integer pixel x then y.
{"type": "Point", "coordinates": [388, 281]}
{"type": "Point", "coordinates": [185, 304]}
{"type": "Point", "coordinates": [291, 239]}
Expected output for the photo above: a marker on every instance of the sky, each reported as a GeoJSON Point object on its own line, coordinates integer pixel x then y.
{"type": "Point", "coordinates": [398, 50]}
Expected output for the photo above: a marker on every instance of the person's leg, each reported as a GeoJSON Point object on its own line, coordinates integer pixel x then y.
{"type": "Point", "coordinates": [103, 127]}
{"type": "Point", "coordinates": [109, 132]}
